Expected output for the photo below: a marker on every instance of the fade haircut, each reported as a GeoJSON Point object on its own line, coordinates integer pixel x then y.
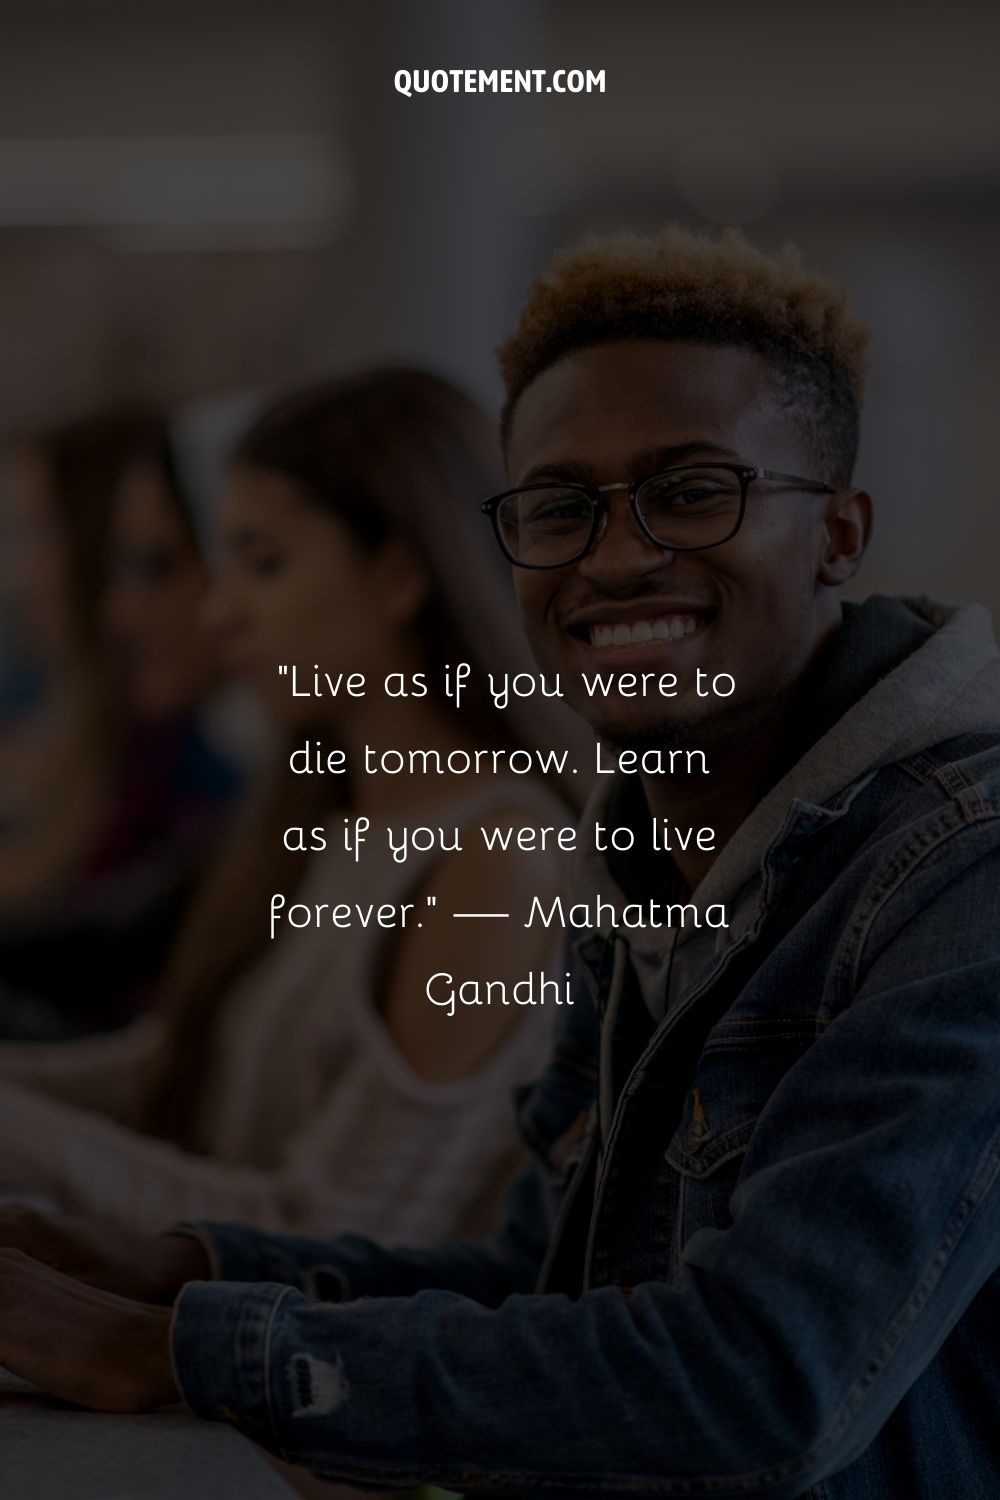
{"type": "Point", "coordinates": [687, 287]}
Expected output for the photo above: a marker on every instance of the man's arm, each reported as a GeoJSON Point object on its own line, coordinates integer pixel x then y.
{"type": "Point", "coordinates": [350, 1266]}
{"type": "Point", "coordinates": [865, 1222]}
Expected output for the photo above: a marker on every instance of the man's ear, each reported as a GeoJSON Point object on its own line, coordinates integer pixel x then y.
{"type": "Point", "coordinates": [847, 532]}
{"type": "Point", "coordinates": [402, 581]}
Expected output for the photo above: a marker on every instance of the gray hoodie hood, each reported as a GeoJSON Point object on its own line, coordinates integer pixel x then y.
{"type": "Point", "coordinates": [941, 679]}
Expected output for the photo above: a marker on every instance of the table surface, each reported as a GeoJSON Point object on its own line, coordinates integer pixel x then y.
{"type": "Point", "coordinates": [50, 1451]}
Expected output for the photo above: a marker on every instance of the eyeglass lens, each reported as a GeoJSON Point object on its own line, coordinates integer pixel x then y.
{"type": "Point", "coordinates": [682, 509]}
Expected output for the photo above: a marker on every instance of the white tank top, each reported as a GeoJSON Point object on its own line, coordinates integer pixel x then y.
{"type": "Point", "coordinates": [307, 1081]}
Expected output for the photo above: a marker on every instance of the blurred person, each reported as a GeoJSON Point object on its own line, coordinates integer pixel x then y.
{"type": "Point", "coordinates": [174, 780]}
{"type": "Point", "coordinates": [308, 1081]}
{"type": "Point", "coordinates": [124, 790]}
{"type": "Point", "coordinates": [58, 489]}
{"type": "Point", "coordinates": [156, 587]}
{"type": "Point", "coordinates": [758, 1251]}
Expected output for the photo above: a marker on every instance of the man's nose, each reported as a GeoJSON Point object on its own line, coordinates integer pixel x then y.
{"type": "Point", "coordinates": [622, 550]}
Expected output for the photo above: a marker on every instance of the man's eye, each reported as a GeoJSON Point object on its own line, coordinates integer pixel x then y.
{"type": "Point", "coordinates": [693, 494]}
{"type": "Point", "coordinates": [566, 508]}
{"type": "Point", "coordinates": [266, 564]}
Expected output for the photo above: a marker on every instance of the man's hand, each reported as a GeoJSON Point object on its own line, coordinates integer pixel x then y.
{"type": "Point", "coordinates": [84, 1345]}
{"type": "Point", "coordinates": [144, 1267]}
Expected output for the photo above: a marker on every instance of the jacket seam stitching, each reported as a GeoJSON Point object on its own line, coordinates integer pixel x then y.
{"type": "Point", "coordinates": [906, 861]}
{"type": "Point", "coordinates": [268, 1339]}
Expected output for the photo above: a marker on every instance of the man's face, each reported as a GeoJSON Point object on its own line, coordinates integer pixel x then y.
{"type": "Point", "coordinates": [752, 607]}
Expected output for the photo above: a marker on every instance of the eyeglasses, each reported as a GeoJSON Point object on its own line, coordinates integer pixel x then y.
{"type": "Point", "coordinates": [687, 509]}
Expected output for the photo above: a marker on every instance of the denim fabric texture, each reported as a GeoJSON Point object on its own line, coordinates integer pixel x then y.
{"type": "Point", "coordinates": [767, 1266]}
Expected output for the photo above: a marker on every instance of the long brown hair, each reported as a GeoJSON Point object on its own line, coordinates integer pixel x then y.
{"type": "Point", "coordinates": [391, 452]}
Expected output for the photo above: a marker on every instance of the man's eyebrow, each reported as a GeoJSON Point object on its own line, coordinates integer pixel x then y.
{"type": "Point", "coordinates": [680, 453]}
{"type": "Point", "coordinates": [570, 471]}
{"type": "Point", "coordinates": [566, 470]}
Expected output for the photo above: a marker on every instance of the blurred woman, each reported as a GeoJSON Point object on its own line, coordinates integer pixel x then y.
{"type": "Point", "coordinates": [156, 587]}
{"type": "Point", "coordinates": [58, 488]}
{"type": "Point", "coordinates": [122, 791]}
{"type": "Point", "coordinates": [308, 1082]}
{"type": "Point", "coordinates": [173, 779]}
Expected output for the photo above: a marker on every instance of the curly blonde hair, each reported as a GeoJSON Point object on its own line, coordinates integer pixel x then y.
{"type": "Point", "coordinates": [692, 288]}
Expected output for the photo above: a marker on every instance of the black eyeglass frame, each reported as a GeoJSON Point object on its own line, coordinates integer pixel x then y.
{"type": "Point", "coordinates": [746, 474]}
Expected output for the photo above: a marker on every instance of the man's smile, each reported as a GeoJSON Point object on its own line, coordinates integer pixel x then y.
{"type": "Point", "coordinates": [643, 623]}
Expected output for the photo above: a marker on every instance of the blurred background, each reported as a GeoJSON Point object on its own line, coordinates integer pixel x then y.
{"type": "Point", "coordinates": [201, 198]}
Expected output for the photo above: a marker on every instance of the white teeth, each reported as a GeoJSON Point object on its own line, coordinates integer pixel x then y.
{"type": "Point", "coordinates": [660, 628]}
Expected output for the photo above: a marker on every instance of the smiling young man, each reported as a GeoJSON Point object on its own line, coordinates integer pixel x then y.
{"type": "Point", "coordinates": [757, 1252]}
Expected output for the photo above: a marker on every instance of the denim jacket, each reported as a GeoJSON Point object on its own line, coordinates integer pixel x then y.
{"type": "Point", "coordinates": [757, 1256]}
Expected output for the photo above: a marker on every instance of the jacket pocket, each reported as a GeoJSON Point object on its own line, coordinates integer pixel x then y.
{"type": "Point", "coordinates": [741, 1065]}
